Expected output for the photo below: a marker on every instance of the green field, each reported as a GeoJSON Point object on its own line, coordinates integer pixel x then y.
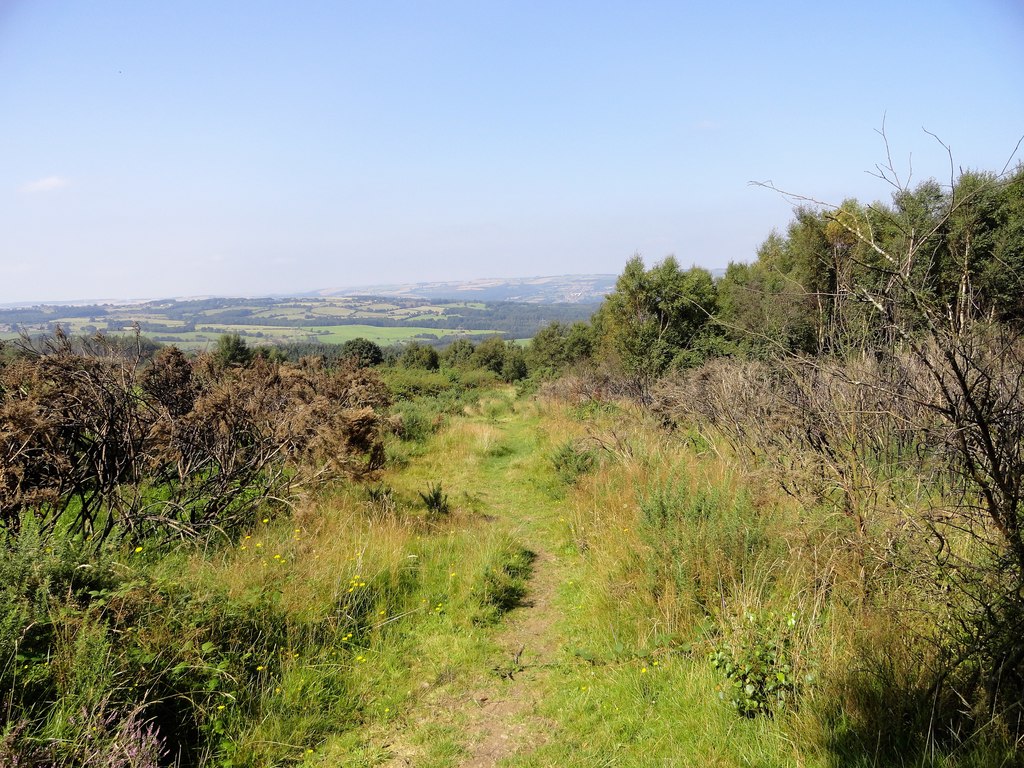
{"type": "Point", "coordinates": [196, 324]}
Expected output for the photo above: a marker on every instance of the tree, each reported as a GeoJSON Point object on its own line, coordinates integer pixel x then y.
{"type": "Point", "coordinates": [547, 350]}
{"type": "Point", "coordinates": [418, 355]}
{"type": "Point", "coordinates": [514, 367]}
{"type": "Point", "coordinates": [490, 354]}
{"type": "Point", "coordinates": [458, 354]}
{"type": "Point", "coordinates": [232, 351]}
{"type": "Point", "coordinates": [363, 351]}
{"type": "Point", "coordinates": [961, 375]}
{"type": "Point", "coordinates": [654, 315]}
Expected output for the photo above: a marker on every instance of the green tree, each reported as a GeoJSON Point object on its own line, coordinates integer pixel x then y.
{"type": "Point", "coordinates": [579, 343]}
{"type": "Point", "coordinates": [458, 354]}
{"type": "Point", "coordinates": [547, 350]}
{"type": "Point", "coordinates": [490, 354]}
{"type": "Point", "coordinates": [514, 367]}
{"type": "Point", "coordinates": [418, 355]}
{"type": "Point", "coordinates": [232, 351]}
{"type": "Point", "coordinates": [363, 351]}
{"type": "Point", "coordinates": [651, 320]}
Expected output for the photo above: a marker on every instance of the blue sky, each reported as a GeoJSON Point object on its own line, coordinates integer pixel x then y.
{"type": "Point", "coordinates": [190, 148]}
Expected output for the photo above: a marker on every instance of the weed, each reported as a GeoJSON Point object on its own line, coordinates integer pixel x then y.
{"type": "Point", "coordinates": [436, 501]}
{"type": "Point", "coordinates": [380, 502]}
{"type": "Point", "coordinates": [571, 461]}
{"type": "Point", "coordinates": [758, 666]}
{"type": "Point", "coordinates": [503, 582]}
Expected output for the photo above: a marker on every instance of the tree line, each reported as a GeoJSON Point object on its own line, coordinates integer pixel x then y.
{"type": "Point", "coordinates": [869, 359]}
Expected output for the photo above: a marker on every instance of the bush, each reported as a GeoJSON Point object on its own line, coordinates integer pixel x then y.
{"type": "Point", "coordinates": [436, 501]}
{"type": "Point", "coordinates": [418, 355]}
{"type": "Point", "coordinates": [572, 460]}
{"type": "Point", "coordinates": [179, 448]}
{"type": "Point", "coordinates": [759, 666]}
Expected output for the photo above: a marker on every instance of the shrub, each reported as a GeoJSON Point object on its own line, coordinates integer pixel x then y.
{"type": "Point", "coordinates": [436, 501]}
{"type": "Point", "coordinates": [572, 460]}
{"type": "Point", "coordinates": [758, 664]}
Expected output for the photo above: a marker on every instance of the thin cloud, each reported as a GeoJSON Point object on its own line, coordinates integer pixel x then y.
{"type": "Point", "coordinates": [706, 125]}
{"type": "Point", "coordinates": [47, 184]}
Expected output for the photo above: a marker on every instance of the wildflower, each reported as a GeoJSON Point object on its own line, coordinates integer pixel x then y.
{"type": "Point", "coordinates": [259, 544]}
{"type": "Point", "coordinates": [259, 668]}
{"type": "Point", "coordinates": [277, 557]}
{"type": "Point", "coordinates": [643, 670]}
{"type": "Point", "coordinates": [138, 549]}
{"type": "Point", "coordinates": [220, 707]}
{"type": "Point", "coordinates": [266, 519]}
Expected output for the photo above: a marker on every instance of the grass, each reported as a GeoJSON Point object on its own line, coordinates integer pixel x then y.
{"type": "Point", "coordinates": [366, 627]}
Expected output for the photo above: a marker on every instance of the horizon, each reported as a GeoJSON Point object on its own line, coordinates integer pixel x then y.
{"type": "Point", "coordinates": [310, 293]}
{"type": "Point", "coordinates": [230, 151]}
{"type": "Point", "coordinates": [313, 293]}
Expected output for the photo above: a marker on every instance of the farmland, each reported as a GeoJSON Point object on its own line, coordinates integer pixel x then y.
{"type": "Point", "coordinates": [196, 324]}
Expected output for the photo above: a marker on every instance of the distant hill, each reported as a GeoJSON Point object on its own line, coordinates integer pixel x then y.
{"type": "Point", "coordinates": [561, 289]}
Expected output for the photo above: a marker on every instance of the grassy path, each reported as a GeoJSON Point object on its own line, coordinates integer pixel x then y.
{"type": "Point", "coordinates": [496, 461]}
{"type": "Point", "coordinates": [580, 667]}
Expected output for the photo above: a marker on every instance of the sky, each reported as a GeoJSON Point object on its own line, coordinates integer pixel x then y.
{"type": "Point", "coordinates": [249, 148]}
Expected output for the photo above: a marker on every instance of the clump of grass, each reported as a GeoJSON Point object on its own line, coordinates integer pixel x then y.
{"type": "Point", "coordinates": [571, 460]}
{"type": "Point", "coordinates": [380, 502]}
{"type": "Point", "coordinates": [502, 583]}
{"type": "Point", "coordinates": [436, 501]}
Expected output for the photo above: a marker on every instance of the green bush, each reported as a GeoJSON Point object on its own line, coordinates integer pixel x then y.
{"type": "Point", "coordinates": [413, 421]}
{"type": "Point", "coordinates": [709, 544]}
{"type": "Point", "coordinates": [571, 461]}
{"type": "Point", "coordinates": [436, 501]}
{"type": "Point", "coordinates": [758, 665]}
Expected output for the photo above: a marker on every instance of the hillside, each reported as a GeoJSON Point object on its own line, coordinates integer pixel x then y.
{"type": "Point", "coordinates": [194, 324]}
{"type": "Point", "coordinates": [571, 289]}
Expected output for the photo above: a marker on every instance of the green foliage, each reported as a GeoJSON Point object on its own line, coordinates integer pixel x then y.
{"type": "Point", "coordinates": [513, 367]}
{"type": "Point", "coordinates": [231, 350]}
{"type": "Point", "coordinates": [758, 666]}
{"type": "Point", "coordinates": [458, 354]}
{"type": "Point", "coordinates": [418, 355]}
{"type": "Point", "coordinates": [363, 351]}
{"type": "Point", "coordinates": [407, 383]}
{"type": "Point", "coordinates": [653, 316]}
{"type": "Point", "coordinates": [707, 544]}
{"type": "Point", "coordinates": [490, 354]}
{"type": "Point", "coordinates": [94, 650]}
{"type": "Point", "coordinates": [414, 421]}
{"type": "Point", "coordinates": [557, 346]}
{"type": "Point", "coordinates": [436, 501]}
{"type": "Point", "coordinates": [571, 460]}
